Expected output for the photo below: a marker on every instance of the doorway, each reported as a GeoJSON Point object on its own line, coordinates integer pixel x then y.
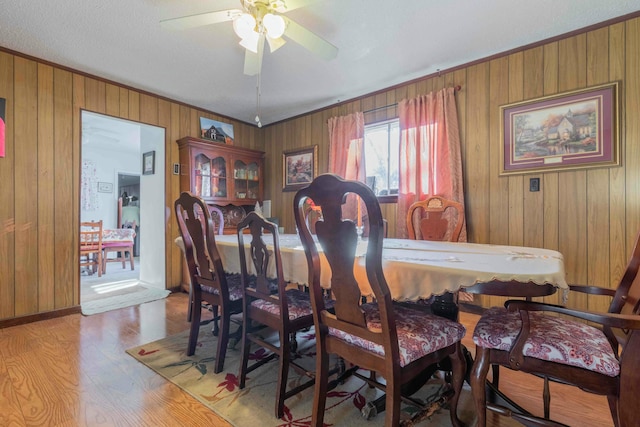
{"type": "Point", "coordinates": [112, 153]}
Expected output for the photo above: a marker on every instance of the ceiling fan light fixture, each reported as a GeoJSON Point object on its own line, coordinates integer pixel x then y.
{"type": "Point", "coordinates": [274, 25]}
{"type": "Point", "coordinates": [244, 25]}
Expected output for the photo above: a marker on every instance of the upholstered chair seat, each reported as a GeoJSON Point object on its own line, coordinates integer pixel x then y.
{"type": "Point", "coordinates": [297, 300]}
{"type": "Point", "coordinates": [551, 338]}
{"type": "Point", "coordinates": [418, 333]}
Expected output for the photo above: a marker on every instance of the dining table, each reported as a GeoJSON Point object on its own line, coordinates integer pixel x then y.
{"type": "Point", "coordinates": [419, 269]}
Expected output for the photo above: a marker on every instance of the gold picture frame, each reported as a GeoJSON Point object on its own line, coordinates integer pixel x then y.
{"type": "Point", "coordinates": [571, 130]}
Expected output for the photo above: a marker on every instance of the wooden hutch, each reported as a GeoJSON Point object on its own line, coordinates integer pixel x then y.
{"type": "Point", "coordinates": [231, 178]}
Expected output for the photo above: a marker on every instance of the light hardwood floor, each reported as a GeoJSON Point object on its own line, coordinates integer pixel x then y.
{"type": "Point", "coordinates": [73, 371]}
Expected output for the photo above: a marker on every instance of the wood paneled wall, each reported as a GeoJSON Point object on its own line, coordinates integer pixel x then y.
{"type": "Point", "coordinates": [590, 216]}
{"type": "Point", "coordinates": [40, 176]}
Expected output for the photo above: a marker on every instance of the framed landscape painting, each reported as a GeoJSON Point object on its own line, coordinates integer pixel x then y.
{"type": "Point", "coordinates": [299, 168]}
{"type": "Point", "coordinates": [571, 130]}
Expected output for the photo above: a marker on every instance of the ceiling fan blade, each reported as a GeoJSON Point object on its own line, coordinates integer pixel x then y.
{"type": "Point", "coordinates": [200, 19]}
{"type": "Point", "coordinates": [252, 60]}
{"type": "Point", "coordinates": [309, 40]}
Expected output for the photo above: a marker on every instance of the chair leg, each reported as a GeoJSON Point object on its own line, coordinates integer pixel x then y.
{"type": "Point", "coordinates": [214, 310]}
{"type": "Point", "coordinates": [478, 381]}
{"type": "Point", "coordinates": [223, 340]}
{"type": "Point", "coordinates": [321, 386]}
{"type": "Point", "coordinates": [546, 398]}
{"type": "Point", "coordinates": [246, 348]}
{"type": "Point", "coordinates": [190, 305]}
{"type": "Point", "coordinates": [392, 414]}
{"type": "Point", "coordinates": [131, 257]}
{"type": "Point", "coordinates": [196, 314]}
{"type": "Point", "coordinates": [285, 356]}
{"type": "Point", "coordinates": [99, 263]}
{"type": "Point", "coordinates": [495, 370]}
{"type": "Point", "coordinates": [458, 370]}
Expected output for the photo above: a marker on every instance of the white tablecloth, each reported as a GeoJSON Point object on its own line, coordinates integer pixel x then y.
{"type": "Point", "coordinates": [419, 269]}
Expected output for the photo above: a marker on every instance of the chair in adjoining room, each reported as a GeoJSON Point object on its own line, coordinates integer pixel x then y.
{"type": "Point", "coordinates": [208, 280]}
{"type": "Point", "coordinates": [396, 342]}
{"type": "Point", "coordinates": [120, 241]}
{"type": "Point", "coordinates": [435, 218]}
{"type": "Point", "coordinates": [91, 246]}
{"type": "Point", "coordinates": [268, 302]}
{"type": "Point", "coordinates": [600, 359]}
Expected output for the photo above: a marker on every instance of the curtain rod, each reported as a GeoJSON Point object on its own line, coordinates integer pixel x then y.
{"type": "Point", "coordinates": [395, 104]}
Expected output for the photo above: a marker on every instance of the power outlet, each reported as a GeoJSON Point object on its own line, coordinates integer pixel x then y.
{"type": "Point", "coordinates": [534, 184]}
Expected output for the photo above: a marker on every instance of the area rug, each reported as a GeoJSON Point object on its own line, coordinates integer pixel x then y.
{"type": "Point", "coordinates": [255, 404]}
{"type": "Point", "coordinates": [129, 296]}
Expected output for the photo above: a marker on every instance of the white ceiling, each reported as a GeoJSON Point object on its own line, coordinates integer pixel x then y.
{"type": "Point", "coordinates": [382, 43]}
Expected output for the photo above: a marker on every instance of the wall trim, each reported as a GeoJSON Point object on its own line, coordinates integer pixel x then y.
{"type": "Point", "coordinates": [16, 321]}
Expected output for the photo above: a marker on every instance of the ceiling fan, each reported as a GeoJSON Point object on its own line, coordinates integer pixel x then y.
{"type": "Point", "coordinates": [259, 20]}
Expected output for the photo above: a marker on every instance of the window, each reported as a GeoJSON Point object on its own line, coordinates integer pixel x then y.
{"type": "Point", "coordinates": [382, 152]}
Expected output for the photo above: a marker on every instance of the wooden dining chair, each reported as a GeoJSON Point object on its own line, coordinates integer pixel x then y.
{"type": "Point", "coordinates": [119, 241]}
{"type": "Point", "coordinates": [91, 246]}
{"type": "Point", "coordinates": [435, 218]}
{"type": "Point", "coordinates": [268, 302]}
{"type": "Point", "coordinates": [600, 359]}
{"type": "Point", "coordinates": [208, 279]}
{"type": "Point", "coordinates": [312, 215]}
{"type": "Point", "coordinates": [218, 221]}
{"type": "Point", "coordinates": [396, 342]}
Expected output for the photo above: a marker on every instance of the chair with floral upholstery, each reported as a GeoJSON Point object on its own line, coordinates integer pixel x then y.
{"type": "Point", "coordinates": [120, 241]}
{"type": "Point", "coordinates": [208, 279]}
{"type": "Point", "coordinates": [602, 360]}
{"type": "Point", "coordinates": [268, 302]}
{"type": "Point", "coordinates": [396, 342]}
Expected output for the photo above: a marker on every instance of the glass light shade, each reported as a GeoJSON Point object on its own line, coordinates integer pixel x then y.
{"type": "Point", "coordinates": [275, 44]}
{"type": "Point", "coordinates": [274, 25]}
{"type": "Point", "coordinates": [244, 25]}
{"type": "Point", "coordinates": [250, 42]}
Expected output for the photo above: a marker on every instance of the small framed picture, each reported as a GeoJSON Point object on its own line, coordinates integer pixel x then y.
{"type": "Point", "coordinates": [299, 168]}
{"type": "Point", "coordinates": [216, 131]}
{"type": "Point", "coordinates": [149, 163]}
{"type": "Point", "coordinates": [105, 187]}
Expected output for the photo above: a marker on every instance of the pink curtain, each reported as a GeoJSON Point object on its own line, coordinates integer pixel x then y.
{"type": "Point", "coordinates": [346, 145]}
{"type": "Point", "coordinates": [346, 155]}
{"type": "Point", "coordinates": [430, 159]}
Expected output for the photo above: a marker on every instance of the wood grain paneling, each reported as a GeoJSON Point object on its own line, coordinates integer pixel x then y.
{"type": "Point", "coordinates": [591, 216]}
{"type": "Point", "coordinates": [7, 194]}
{"type": "Point", "coordinates": [26, 186]}
{"type": "Point", "coordinates": [45, 199]}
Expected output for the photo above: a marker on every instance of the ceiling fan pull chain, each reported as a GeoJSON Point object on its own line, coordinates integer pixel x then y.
{"type": "Point", "coordinates": [258, 101]}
